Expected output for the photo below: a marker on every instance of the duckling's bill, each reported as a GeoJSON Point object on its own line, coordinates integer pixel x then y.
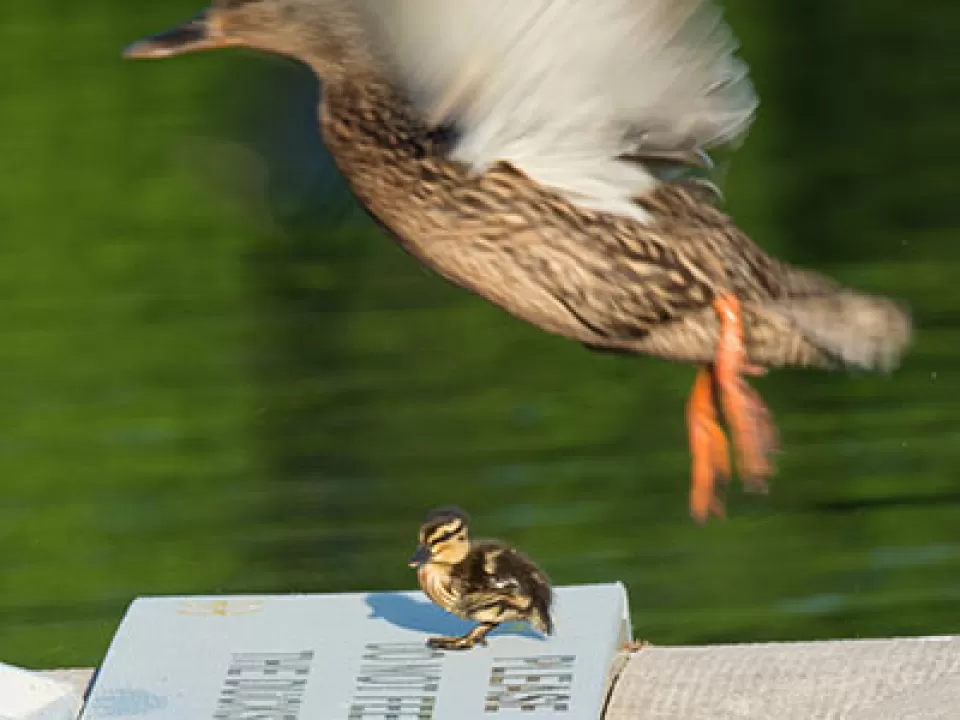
{"type": "Point", "coordinates": [201, 32]}
{"type": "Point", "coordinates": [420, 556]}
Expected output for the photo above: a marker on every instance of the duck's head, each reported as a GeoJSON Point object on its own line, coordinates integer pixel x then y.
{"type": "Point", "coordinates": [323, 34]}
{"type": "Point", "coordinates": [444, 538]}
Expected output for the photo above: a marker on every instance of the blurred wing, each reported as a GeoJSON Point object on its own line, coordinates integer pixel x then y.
{"type": "Point", "coordinates": [562, 89]}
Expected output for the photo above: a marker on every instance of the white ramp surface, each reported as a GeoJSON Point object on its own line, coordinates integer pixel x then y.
{"type": "Point", "coordinates": [898, 679]}
{"type": "Point", "coordinates": [353, 657]}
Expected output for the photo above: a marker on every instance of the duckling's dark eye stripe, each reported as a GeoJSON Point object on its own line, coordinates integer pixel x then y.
{"type": "Point", "coordinates": [443, 537]}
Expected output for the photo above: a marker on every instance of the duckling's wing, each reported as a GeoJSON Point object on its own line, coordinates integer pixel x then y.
{"type": "Point", "coordinates": [507, 570]}
{"type": "Point", "coordinates": [562, 89]}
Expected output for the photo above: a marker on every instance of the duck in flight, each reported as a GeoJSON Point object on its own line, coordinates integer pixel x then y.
{"type": "Point", "coordinates": [552, 156]}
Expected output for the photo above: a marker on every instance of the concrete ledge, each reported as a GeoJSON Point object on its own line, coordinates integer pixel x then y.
{"type": "Point", "coordinates": [895, 679]}
{"type": "Point", "coordinates": [28, 695]}
{"type": "Point", "coordinates": [78, 679]}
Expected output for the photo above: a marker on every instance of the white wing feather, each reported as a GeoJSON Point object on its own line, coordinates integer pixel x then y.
{"type": "Point", "coordinates": [561, 88]}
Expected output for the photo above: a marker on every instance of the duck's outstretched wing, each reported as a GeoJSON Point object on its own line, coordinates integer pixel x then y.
{"type": "Point", "coordinates": [563, 89]}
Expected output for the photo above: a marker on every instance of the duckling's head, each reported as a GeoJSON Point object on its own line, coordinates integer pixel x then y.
{"type": "Point", "coordinates": [444, 538]}
{"type": "Point", "coordinates": [324, 34]}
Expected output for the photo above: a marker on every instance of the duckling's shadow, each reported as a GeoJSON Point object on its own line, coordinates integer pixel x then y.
{"type": "Point", "coordinates": [406, 612]}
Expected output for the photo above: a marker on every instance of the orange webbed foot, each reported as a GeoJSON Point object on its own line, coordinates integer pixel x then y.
{"type": "Point", "coordinates": [708, 446]}
{"type": "Point", "coordinates": [752, 427]}
{"type": "Point", "coordinates": [754, 433]}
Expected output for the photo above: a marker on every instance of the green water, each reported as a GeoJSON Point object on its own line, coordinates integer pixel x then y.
{"type": "Point", "coordinates": [217, 376]}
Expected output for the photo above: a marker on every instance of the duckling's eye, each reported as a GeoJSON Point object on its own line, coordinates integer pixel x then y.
{"type": "Point", "coordinates": [461, 537]}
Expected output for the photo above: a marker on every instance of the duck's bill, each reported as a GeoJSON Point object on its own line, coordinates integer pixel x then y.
{"type": "Point", "coordinates": [202, 32]}
{"type": "Point", "coordinates": [420, 556]}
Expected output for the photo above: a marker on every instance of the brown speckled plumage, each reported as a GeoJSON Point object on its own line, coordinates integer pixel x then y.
{"type": "Point", "coordinates": [608, 240]}
{"type": "Point", "coordinates": [597, 278]}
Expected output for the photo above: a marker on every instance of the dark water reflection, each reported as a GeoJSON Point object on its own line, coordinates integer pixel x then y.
{"type": "Point", "coordinates": [219, 377]}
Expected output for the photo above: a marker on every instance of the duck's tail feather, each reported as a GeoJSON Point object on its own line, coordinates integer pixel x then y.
{"type": "Point", "coordinates": [857, 330]}
{"type": "Point", "coordinates": [541, 620]}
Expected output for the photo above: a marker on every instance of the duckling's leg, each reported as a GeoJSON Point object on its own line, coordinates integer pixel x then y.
{"type": "Point", "coordinates": [477, 636]}
{"type": "Point", "coordinates": [754, 434]}
{"type": "Point", "coordinates": [708, 445]}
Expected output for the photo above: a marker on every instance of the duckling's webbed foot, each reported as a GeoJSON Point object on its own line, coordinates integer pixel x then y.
{"type": "Point", "coordinates": [477, 636]}
{"type": "Point", "coordinates": [453, 643]}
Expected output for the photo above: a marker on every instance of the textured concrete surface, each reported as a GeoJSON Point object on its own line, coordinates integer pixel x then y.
{"type": "Point", "coordinates": [897, 679]}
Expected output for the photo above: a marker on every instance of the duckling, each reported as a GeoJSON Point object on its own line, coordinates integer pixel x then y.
{"type": "Point", "coordinates": [548, 156]}
{"type": "Point", "coordinates": [487, 581]}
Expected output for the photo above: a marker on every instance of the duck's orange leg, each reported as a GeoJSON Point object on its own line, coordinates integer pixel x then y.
{"type": "Point", "coordinates": [754, 435]}
{"type": "Point", "coordinates": [708, 446]}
